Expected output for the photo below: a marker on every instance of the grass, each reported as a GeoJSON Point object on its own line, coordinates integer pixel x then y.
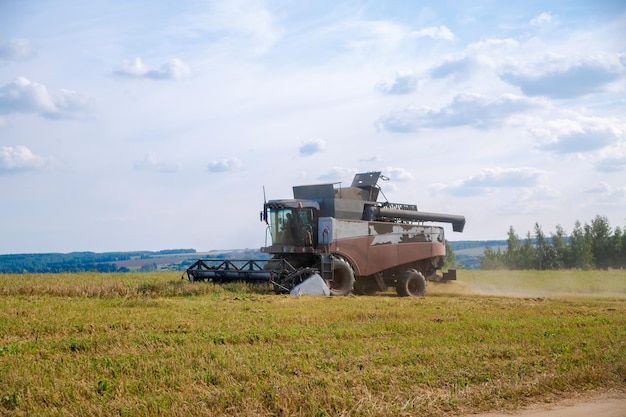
{"type": "Point", "coordinates": [151, 344]}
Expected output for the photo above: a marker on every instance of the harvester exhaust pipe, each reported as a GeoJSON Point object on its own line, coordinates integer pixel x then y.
{"type": "Point", "coordinates": [384, 213]}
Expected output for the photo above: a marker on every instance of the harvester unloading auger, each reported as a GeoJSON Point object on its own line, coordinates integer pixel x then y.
{"type": "Point", "coordinates": [346, 237]}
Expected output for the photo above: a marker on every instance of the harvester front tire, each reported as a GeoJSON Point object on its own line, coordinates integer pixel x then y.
{"type": "Point", "coordinates": [411, 284]}
{"type": "Point", "coordinates": [343, 278]}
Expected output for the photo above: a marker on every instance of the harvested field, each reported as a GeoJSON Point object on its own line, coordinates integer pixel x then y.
{"type": "Point", "coordinates": [151, 344]}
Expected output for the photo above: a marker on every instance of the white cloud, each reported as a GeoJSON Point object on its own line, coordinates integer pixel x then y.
{"type": "Point", "coordinates": [607, 193]}
{"type": "Point", "coordinates": [542, 19]}
{"type": "Point", "coordinates": [579, 134]}
{"type": "Point", "coordinates": [373, 35]}
{"type": "Point", "coordinates": [18, 158]}
{"type": "Point", "coordinates": [224, 165]}
{"type": "Point", "coordinates": [582, 141]}
{"type": "Point", "coordinates": [249, 18]}
{"type": "Point", "coordinates": [529, 201]}
{"type": "Point", "coordinates": [134, 68]}
{"type": "Point", "coordinates": [403, 83]}
{"type": "Point", "coordinates": [478, 58]}
{"type": "Point", "coordinates": [313, 146]}
{"type": "Point", "coordinates": [439, 32]}
{"type": "Point", "coordinates": [150, 162]}
{"type": "Point", "coordinates": [371, 159]}
{"type": "Point", "coordinates": [384, 37]}
{"type": "Point", "coordinates": [559, 78]}
{"type": "Point", "coordinates": [244, 27]}
{"type": "Point", "coordinates": [336, 174]}
{"type": "Point", "coordinates": [615, 163]}
{"type": "Point", "coordinates": [25, 96]}
{"type": "Point", "coordinates": [15, 50]}
{"type": "Point", "coordinates": [397, 174]}
{"type": "Point", "coordinates": [490, 179]}
{"type": "Point", "coordinates": [465, 110]}
{"type": "Point", "coordinates": [173, 70]}
{"type": "Point", "coordinates": [459, 69]}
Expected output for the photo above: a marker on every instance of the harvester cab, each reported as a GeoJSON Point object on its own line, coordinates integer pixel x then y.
{"type": "Point", "coordinates": [293, 223]}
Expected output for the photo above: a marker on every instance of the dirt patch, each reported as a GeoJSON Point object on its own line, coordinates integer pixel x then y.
{"type": "Point", "coordinates": [598, 405]}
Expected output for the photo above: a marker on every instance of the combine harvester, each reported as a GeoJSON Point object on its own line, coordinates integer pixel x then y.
{"type": "Point", "coordinates": [344, 239]}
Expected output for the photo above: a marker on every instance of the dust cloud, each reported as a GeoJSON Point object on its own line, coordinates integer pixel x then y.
{"type": "Point", "coordinates": [531, 284]}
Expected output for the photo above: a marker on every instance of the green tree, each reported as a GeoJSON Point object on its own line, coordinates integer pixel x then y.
{"type": "Point", "coordinates": [580, 253]}
{"type": "Point", "coordinates": [622, 253]}
{"type": "Point", "coordinates": [492, 259]}
{"type": "Point", "coordinates": [148, 268]}
{"type": "Point", "coordinates": [528, 254]}
{"type": "Point", "coordinates": [599, 234]}
{"type": "Point", "coordinates": [546, 254]}
{"type": "Point", "coordinates": [560, 243]}
{"type": "Point", "coordinates": [618, 258]}
{"type": "Point", "coordinates": [513, 250]}
{"type": "Point", "coordinates": [541, 248]}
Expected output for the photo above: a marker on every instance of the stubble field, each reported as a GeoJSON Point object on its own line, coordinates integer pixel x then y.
{"type": "Point", "coordinates": [145, 344]}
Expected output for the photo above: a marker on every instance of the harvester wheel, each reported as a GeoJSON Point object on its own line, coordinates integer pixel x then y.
{"type": "Point", "coordinates": [343, 278]}
{"type": "Point", "coordinates": [411, 284]}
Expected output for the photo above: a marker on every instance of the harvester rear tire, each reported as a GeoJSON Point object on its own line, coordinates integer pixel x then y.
{"type": "Point", "coordinates": [411, 284]}
{"type": "Point", "coordinates": [343, 278]}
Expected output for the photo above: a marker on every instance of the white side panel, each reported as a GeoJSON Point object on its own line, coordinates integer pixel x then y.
{"type": "Point", "coordinates": [332, 229]}
{"type": "Point", "coordinates": [345, 229]}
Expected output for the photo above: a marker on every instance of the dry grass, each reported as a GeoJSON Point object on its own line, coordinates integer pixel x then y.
{"type": "Point", "coordinates": [150, 344]}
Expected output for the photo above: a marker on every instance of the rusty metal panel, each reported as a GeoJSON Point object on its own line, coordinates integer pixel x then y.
{"type": "Point", "coordinates": [375, 246]}
{"type": "Point", "coordinates": [381, 257]}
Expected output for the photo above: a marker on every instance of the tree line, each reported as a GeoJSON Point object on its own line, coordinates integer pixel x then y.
{"type": "Point", "coordinates": [75, 261]}
{"type": "Point", "coordinates": [594, 245]}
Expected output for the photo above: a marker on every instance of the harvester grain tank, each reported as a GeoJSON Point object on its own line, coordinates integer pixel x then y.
{"type": "Point", "coordinates": [349, 238]}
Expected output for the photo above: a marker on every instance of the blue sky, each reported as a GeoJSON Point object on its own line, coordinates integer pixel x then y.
{"type": "Point", "coordinates": [156, 124]}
